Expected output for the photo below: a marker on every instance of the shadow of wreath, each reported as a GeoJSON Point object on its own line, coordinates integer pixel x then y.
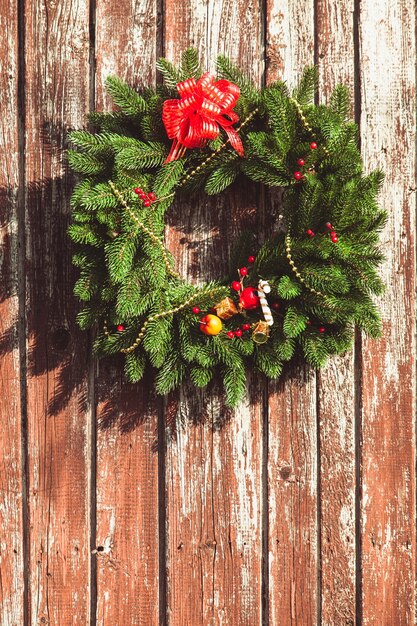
{"type": "Point", "coordinates": [55, 344]}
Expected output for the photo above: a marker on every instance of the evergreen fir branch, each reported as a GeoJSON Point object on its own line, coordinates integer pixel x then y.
{"type": "Point", "coordinates": [288, 288]}
{"type": "Point", "coordinates": [119, 255]}
{"type": "Point", "coordinates": [84, 234]}
{"type": "Point", "coordinates": [281, 116]}
{"type": "Point", "coordinates": [84, 163]}
{"type": "Point", "coordinates": [190, 64]}
{"type": "Point", "coordinates": [133, 297]}
{"type": "Point", "coordinates": [295, 323]}
{"type": "Point", "coordinates": [284, 348]}
{"type": "Point", "coordinates": [171, 74]}
{"type": "Point", "coordinates": [267, 362]}
{"type": "Point", "coordinates": [314, 350]}
{"type": "Point", "coordinates": [142, 155]}
{"type": "Point", "coordinates": [234, 380]}
{"type": "Point", "coordinates": [168, 177]}
{"type": "Point", "coordinates": [93, 144]}
{"type": "Point", "coordinates": [88, 315]}
{"type": "Point", "coordinates": [224, 351]}
{"type": "Point", "coordinates": [306, 88]}
{"type": "Point", "coordinates": [135, 365]}
{"type": "Point", "coordinates": [130, 102]}
{"type": "Point", "coordinates": [80, 189]}
{"type": "Point", "coordinates": [170, 375]}
{"type": "Point", "coordinates": [368, 319]}
{"type": "Point", "coordinates": [158, 340]}
{"type": "Point", "coordinates": [340, 101]}
{"type": "Point", "coordinates": [243, 247]}
{"type": "Point", "coordinates": [85, 286]}
{"type": "Point", "coordinates": [222, 177]}
{"type": "Point", "coordinates": [261, 173]}
{"type": "Point", "coordinates": [112, 122]}
{"type": "Point", "coordinates": [201, 376]}
{"type": "Point", "coordinates": [245, 346]}
{"type": "Point", "coordinates": [97, 197]}
{"type": "Point", "coordinates": [227, 69]}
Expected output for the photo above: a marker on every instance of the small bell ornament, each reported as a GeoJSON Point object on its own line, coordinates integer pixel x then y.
{"type": "Point", "coordinates": [260, 332]}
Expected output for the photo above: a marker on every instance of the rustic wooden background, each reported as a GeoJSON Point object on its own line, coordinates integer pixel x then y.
{"type": "Point", "coordinates": [119, 509]}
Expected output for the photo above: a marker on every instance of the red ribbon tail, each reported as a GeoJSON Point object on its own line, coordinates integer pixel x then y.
{"type": "Point", "coordinates": [235, 140]}
{"type": "Point", "coordinates": [177, 151]}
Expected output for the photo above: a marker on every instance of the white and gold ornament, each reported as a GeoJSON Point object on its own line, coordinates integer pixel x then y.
{"type": "Point", "coordinates": [264, 288]}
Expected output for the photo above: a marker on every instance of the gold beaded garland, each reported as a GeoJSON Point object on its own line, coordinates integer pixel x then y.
{"type": "Point", "coordinates": [295, 269]}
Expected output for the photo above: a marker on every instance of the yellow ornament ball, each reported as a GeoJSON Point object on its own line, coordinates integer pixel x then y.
{"type": "Point", "coordinates": [211, 325]}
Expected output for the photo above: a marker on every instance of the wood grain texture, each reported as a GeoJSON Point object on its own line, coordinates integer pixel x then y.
{"type": "Point", "coordinates": [213, 523]}
{"type": "Point", "coordinates": [388, 96]}
{"type": "Point", "coordinates": [289, 39]}
{"type": "Point", "coordinates": [292, 434]}
{"type": "Point", "coordinates": [11, 487]}
{"type": "Point", "coordinates": [337, 473]}
{"type": "Point", "coordinates": [57, 82]}
{"type": "Point", "coordinates": [127, 416]}
{"type": "Point", "coordinates": [292, 487]}
{"type": "Point", "coordinates": [230, 518]}
{"type": "Point", "coordinates": [214, 456]}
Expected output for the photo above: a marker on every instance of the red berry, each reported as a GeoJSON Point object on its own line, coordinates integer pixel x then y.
{"type": "Point", "coordinates": [231, 334]}
{"type": "Point", "coordinates": [329, 226]}
{"type": "Point", "coordinates": [322, 329]}
{"type": "Point", "coordinates": [301, 162]}
{"type": "Point", "coordinates": [243, 271]}
{"type": "Point", "coordinates": [236, 285]}
{"type": "Point", "coordinates": [313, 145]}
{"type": "Point", "coordinates": [335, 239]}
{"type": "Point", "coordinates": [251, 259]}
{"type": "Point", "coordinates": [152, 196]}
{"type": "Point", "coordinates": [138, 190]}
{"type": "Point", "coordinates": [310, 233]}
{"type": "Point", "coordinates": [246, 327]}
{"type": "Point", "coordinates": [276, 306]}
{"type": "Point", "coordinates": [120, 328]}
{"type": "Point", "coordinates": [146, 202]}
{"type": "Point", "coordinates": [196, 310]}
{"type": "Point", "coordinates": [298, 175]}
{"type": "Point", "coordinates": [238, 333]}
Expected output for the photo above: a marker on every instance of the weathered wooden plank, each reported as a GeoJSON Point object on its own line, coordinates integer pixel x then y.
{"type": "Point", "coordinates": [11, 488]}
{"type": "Point", "coordinates": [57, 82]}
{"type": "Point", "coordinates": [335, 61]}
{"type": "Point", "coordinates": [292, 488]}
{"type": "Point", "coordinates": [292, 437]}
{"type": "Point", "coordinates": [127, 453]}
{"type": "Point", "coordinates": [289, 38]}
{"type": "Point", "coordinates": [388, 92]}
{"type": "Point", "coordinates": [337, 492]}
{"type": "Point", "coordinates": [127, 504]}
{"type": "Point", "coordinates": [214, 558]}
{"type": "Point", "coordinates": [214, 459]}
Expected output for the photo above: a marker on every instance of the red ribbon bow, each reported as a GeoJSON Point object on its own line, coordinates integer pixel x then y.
{"type": "Point", "coordinates": [205, 104]}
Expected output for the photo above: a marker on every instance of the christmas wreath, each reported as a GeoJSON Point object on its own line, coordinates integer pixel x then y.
{"type": "Point", "coordinates": [301, 293]}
